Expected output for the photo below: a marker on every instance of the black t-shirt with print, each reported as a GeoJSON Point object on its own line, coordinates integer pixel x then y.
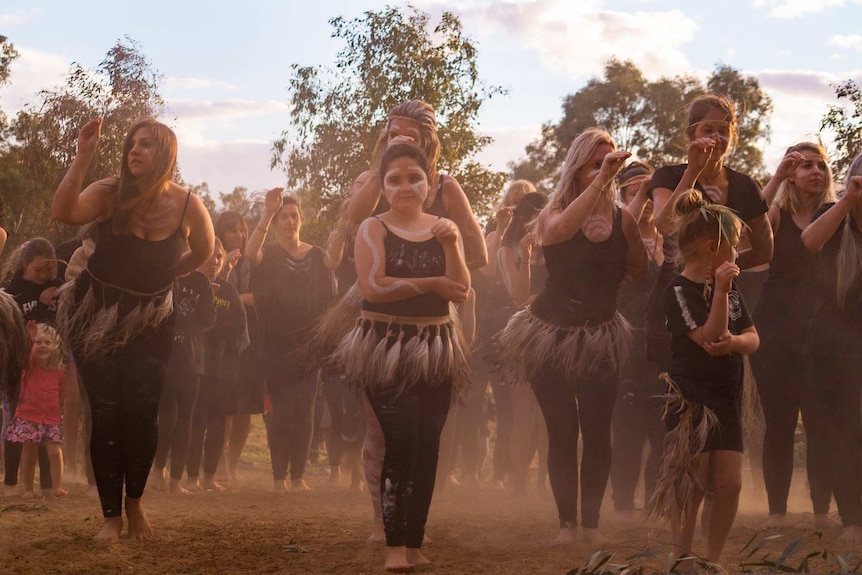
{"type": "Point", "coordinates": [703, 378]}
{"type": "Point", "coordinates": [27, 294]}
{"type": "Point", "coordinates": [833, 332]}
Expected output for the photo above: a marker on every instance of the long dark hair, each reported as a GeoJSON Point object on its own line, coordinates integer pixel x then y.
{"type": "Point", "coordinates": [526, 211]}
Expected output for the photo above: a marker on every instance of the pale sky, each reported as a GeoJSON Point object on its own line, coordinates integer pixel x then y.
{"type": "Point", "coordinates": [227, 64]}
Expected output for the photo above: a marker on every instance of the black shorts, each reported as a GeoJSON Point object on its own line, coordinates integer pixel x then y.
{"type": "Point", "coordinates": [726, 436]}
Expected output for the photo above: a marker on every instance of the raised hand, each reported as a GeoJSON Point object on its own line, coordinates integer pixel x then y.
{"type": "Point", "coordinates": [699, 152]}
{"type": "Point", "coordinates": [231, 259]}
{"type": "Point", "coordinates": [788, 165]}
{"type": "Point", "coordinates": [527, 243]}
{"type": "Point", "coordinates": [445, 231]}
{"type": "Point", "coordinates": [724, 275]}
{"type": "Point", "coordinates": [611, 165]}
{"type": "Point", "coordinates": [504, 218]}
{"type": "Point", "coordinates": [273, 201]}
{"type": "Point", "coordinates": [88, 137]}
{"type": "Point", "coordinates": [401, 140]}
{"type": "Point", "coordinates": [854, 190]}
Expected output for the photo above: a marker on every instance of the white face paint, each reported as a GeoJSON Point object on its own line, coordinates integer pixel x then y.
{"type": "Point", "coordinates": [376, 262]}
{"type": "Point", "coordinates": [405, 180]}
{"type": "Point", "coordinates": [593, 173]}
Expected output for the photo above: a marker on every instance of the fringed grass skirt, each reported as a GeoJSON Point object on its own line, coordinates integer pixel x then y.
{"type": "Point", "coordinates": [392, 353]}
{"type": "Point", "coordinates": [337, 321]}
{"type": "Point", "coordinates": [14, 346]}
{"type": "Point", "coordinates": [529, 344]}
{"type": "Point", "coordinates": [679, 472]}
{"type": "Point", "coordinates": [96, 318]}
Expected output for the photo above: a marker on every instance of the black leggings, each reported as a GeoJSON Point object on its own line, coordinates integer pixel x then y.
{"type": "Point", "coordinates": [291, 423]}
{"type": "Point", "coordinates": [208, 426]}
{"type": "Point", "coordinates": [12, 455]}
{"type": "Point", "coordinates": [345, 412]}
{"type": "Point", "coordinates": [175, 418]}
{"type": "Point", "coordinates": [780, 374]}
{"type": "Point", "coordinates": [412, 423]}
{"type": "Point", "coordinates": [124, 389]}
{"type": "Point", "coordinates": [831, 413]}
{"type": "Point", "coordinates": [637, 419]}
{"type": "Point", "coordinates": [570, 407]}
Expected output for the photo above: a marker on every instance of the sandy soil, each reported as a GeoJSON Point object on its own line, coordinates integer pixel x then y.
{"type": "Point", "coordinates": [248, 529]}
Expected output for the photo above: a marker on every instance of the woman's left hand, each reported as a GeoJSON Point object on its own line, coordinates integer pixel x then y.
{"type": "Point", "coordinates": [722, 346]}
{"type": "Point", "coordinates": [445, 231]}
{"type": "Point", "coordinates": [47, 295]}
{"type": "Point", "coordinates": [231, 259]}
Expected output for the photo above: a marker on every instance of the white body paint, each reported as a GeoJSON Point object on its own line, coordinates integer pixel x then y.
{"type": "Point", "coordinates": [377, 261]}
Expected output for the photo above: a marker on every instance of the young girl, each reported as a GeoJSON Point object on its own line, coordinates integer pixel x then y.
{"type": "Point", "coordinates": [33, 284]}
{"type": "Point", "coordinates": [830, 397]}
{"type": "Point", "coordinates": [221, 350]}
{"type": "Point", "coordinates": [711, 331]}
{"type": "Point", "coordinates": [37, 417]}
{"type": "Point", "coordinates": [405, 350]}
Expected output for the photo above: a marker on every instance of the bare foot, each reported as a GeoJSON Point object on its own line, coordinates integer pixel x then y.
{"type": "Point", "coordinates": [377, 535]}
{"type": "Point", "coordinates": [593, 537]}
{"type": "Point", "coordinates": [775, 521]}
{"type": "Point", "coordinates": [826, 521]}
{"type": "Point", "coordinates": [396, 560]}
{"type": "Point", "coordinates": [92, 492]}
{"type": "Point", "coordinates": [279, 486]}
{"type": "Point", "coordinates": [60, 492]}
{"type": "Point", "coordinates": [110, 532]}
{"type": "Point", "coordinates": [452, 480]}
{"type": "Point", "coordinates": [10, 490]}
{"type": "Point", "coordinates": [157, 479]}
{"type": "Point", "coordinates": [852, 534]}
{"type": "Point", "coordinates": [30, 495]}
{"type": "Point", "coordinates": [210, 484]}
{"type": "Point", "coordinates": [176, 489]}
{"type": "Point", "coordinates": [193, 485]}
{"type": "Point", "coordinates": [139, 525]}
{"type": "Point", "coordinates": [356, 484]}
{"type": "Point", "coordinates": [566, 536]}
{"type": "Point", "coordinates": [299, 485]}
{"type": "Point", "coordinates": [415, 557]}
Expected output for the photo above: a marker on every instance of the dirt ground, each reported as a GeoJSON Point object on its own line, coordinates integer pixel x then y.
{"type": "Point", "coordinates": [249, 529]}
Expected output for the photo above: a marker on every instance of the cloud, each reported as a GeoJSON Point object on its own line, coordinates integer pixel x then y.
{"type": "Point", "coordinates": [509, 143]}
{"type": "Point", "coordinates": [787, 9]}
{"type": "Point", "coordinates": [801, 82]}
{"type": "Point", "coordinates": [32, 72]}
{"type": "Point", "coordinates": [851, 41]}
{"type": "Point", "coordinates": [176, 83]}
{"type": "Point", "coordinates": [577, 38]}
{"type": "Point", "coordinates": [230, 109]}
{"type": "Point", "coordinates": [20, 17]}
{"type": "Point", "coordinates": [225, 165]}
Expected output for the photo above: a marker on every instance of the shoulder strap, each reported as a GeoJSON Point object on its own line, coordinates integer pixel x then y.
{"type": "Point", "coordinates": [385, 227]}
{"type": "Point", "coordinates": [185, 207]}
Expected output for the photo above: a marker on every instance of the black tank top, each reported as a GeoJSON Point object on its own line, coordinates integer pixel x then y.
{"type": "Point", "coordinates": [133, 263]}
{"type": "Point", "coordinates": [406, 259]}
{"type": "Point", "coordinates": [788, 294]}
{"type": "Point", "coordinates": [583, 278]}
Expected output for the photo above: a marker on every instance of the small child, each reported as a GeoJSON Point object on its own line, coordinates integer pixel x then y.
{"type": "Point", "coordinates": [37, 417]}
{"type": "Point", "coordinates": [711, 331]}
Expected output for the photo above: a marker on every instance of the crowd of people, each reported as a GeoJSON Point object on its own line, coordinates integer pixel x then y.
{"type": "Point", "coordinates": [610, 314]}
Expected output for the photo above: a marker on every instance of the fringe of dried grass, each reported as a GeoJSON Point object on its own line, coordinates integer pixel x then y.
{"type": "Point", "coordinates": [527, 344]}
{"type": "Point", "coordinates": [679, 473]}
{"type": "Point", "coordinates": [14, 346]}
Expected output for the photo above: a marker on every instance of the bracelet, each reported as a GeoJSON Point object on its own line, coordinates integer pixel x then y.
{"type": "Point", "coordinates": [261, 228]}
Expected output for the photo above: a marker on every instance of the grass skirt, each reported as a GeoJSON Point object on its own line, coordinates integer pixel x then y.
{"type": "Point", "coordinates": [14, 346]}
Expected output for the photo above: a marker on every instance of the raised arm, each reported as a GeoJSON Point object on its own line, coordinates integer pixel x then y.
{"type": "Point", "coordinates": [560, 225]}
{"type": "Point", "coordinates": [254, 245]}
{"type": "Point", "coordinates": [785, 169]}
{"type": "Point", "coordinates": [459, 211]}
{"type": "Point", "coordinates": [699, 153]}
{"type": "Point", "coordinates": [70, 205]}
{"type": "Point", "coordinates": [636, 206]}
{"type": "Point", "coordinates": [364, 196]}
{"type": "Point", "coordinates": [335, 245]}
{"type": "Point", "coordinates": [201, 237]}
{"type": "Point", "coordinates": [818, 232]}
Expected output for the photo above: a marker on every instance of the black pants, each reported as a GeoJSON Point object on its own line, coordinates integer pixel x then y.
{"type": "Point", "coordinates": [637, 419]}
{"type": "Point", "coordinates": [175, 418]}
{"type": "Point", "coordinates": [831, 414]}
{"type": "Point", "coordinates": [12, 454]}
{"type": "Point", "coordinates": [345, 412]}
{"type": "Point", "coordinates": [291, 424]}
{"type": "Point", "coordinates": [412, 423]}
{"type": "Point", "coordinates": [570, 407]}
{"type": "Point", "coordinates": [208, 426]}
{"type": "Point", "coordinates": [124, 389]}
{"type": "Point", "coordinates": [780, 373]}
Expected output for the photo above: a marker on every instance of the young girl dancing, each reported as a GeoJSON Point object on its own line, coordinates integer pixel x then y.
{"type": "Point", "coordinates": [711, 330]}
{"type": "Point", "coordinates": [37, 417]}
{"type": "Point", "coordinates": [405, 350]}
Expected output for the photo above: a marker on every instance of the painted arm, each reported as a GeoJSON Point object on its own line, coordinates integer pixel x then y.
{"type": "Point", "coordinates": [560, 225]}
{"type": "Point", "coordinates": [201, 237]}
{"type": "Point", "coordinates": [468, 317]}
{"type": "Point", "coordinates": [70, 205]}
{"type": "Point", "coordinates": [817, 233]}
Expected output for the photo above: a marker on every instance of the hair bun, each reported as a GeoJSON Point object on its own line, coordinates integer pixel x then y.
{"type": "Point", "coordinates": [690, 201]}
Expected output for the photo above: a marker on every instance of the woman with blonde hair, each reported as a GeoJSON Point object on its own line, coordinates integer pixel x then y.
{"type": "Point", "coordinates": [831, 392]}
{"type": "Point", "coordinates": [801, 184]}
{"type": "Point", "coordinates": [116, 315]}
{"type": "Point", "coordinates": [571, 342]}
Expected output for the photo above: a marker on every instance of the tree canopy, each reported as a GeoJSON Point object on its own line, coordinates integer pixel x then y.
{"type": "Point", "coordinates": [389, 56]}
{"type": "Point", "coordinates": [845, 121]}
{"type": "Point", "coordinates": [647, 118]}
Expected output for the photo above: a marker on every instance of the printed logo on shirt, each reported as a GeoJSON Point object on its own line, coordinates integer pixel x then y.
{"type": "Point", "coordinates": [734, 306]}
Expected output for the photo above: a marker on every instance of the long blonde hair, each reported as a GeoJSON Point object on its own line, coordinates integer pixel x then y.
{"type": "Point", "coordinates": [133, 191]}
{"type": "Point", "coordinates": [849, 261]}
{"type": "Point", "coordinates": [513, 194]}
{"type": "Point", "coordinates": [579, 154]}
{"type": "Point", "coordinates": [422, 113]}
{"type": "Point", "coordinates": [787, 197]}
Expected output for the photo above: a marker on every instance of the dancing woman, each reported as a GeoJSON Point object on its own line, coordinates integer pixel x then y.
{"type": "Point", "coordinates": [116, 315]}
{"type": "Point", "coordinates": [571, 342]}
